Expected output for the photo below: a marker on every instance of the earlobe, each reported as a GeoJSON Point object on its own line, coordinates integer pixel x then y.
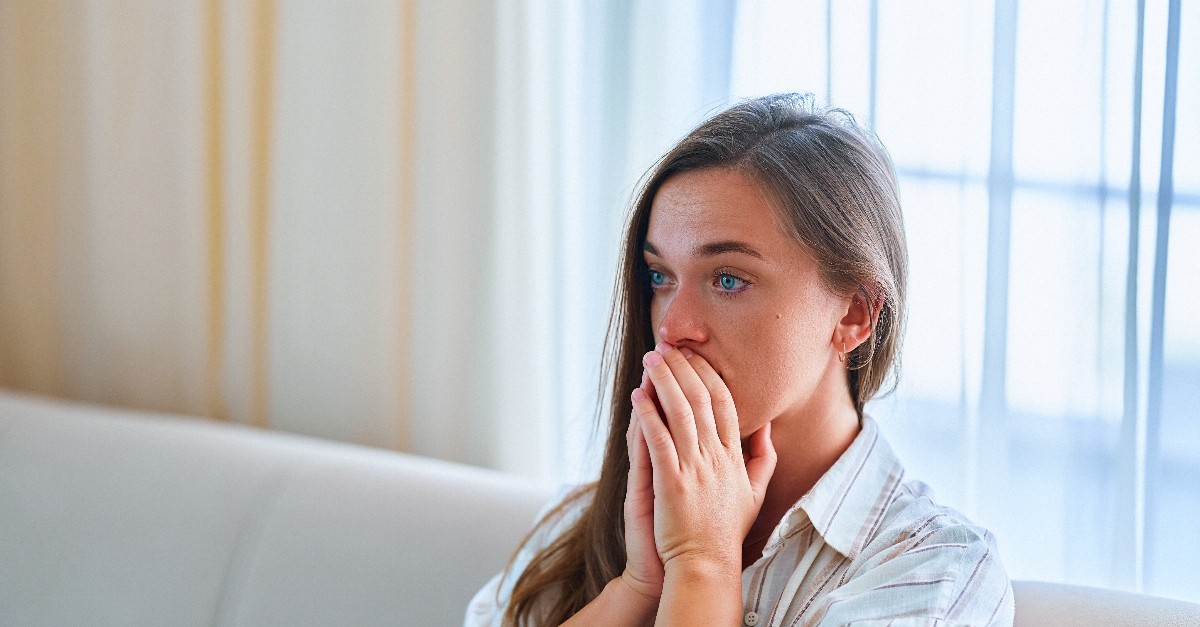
{"type": "Point", "coordinates": [855, 326]}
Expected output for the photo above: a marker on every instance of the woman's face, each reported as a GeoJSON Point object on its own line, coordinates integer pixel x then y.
{"type": "Point", "coordinates": [731, 286]}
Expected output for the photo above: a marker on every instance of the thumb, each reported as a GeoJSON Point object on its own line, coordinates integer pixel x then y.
{"type": "Point", "coordinates": [760, 461]}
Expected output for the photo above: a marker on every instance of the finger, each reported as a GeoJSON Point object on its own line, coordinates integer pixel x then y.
{"type": "Point", "coordinates": [695, 391]}
{"type": "Point", "coordinates": [721, 401]}
{"type": "Point", "coordinates": [760, 461]}
{"type": "Point", "coordinates": [648, 386]}
{"type": "Point", "coordinates": [639, 484]}
{"type": "Point", "coordinates": [659, 443]}
{"type": "Point", "coordinates": [639, 457]}
{"type": "Point", "coordinates": [675, 406]}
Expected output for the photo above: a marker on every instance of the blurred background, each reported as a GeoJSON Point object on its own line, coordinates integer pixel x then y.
{"type": "Point", "coordinates": [396, 223]}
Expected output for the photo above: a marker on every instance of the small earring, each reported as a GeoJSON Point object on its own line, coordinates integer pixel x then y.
{"type": "Point", "coordinates": [842, 355]}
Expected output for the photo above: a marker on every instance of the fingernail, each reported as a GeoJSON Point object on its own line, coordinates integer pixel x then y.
{"type": "Point", "coordinates": [662, 348]}
{"type": "Point", "coordinates": [687, 352]}
{"type": "Point", "coordinates": [652, 359]}
{"type": "Point", "coordinates": [638, 395]}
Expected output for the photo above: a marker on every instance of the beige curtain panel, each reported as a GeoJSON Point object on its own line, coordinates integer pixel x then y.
{"type": "Point", "coordinates": [203, 213]}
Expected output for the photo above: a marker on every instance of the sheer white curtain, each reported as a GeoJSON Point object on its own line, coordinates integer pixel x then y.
{"type": "Point", "coordinates": [560, 107]}
{"type": "Point", "coordinates": [1049, 162]}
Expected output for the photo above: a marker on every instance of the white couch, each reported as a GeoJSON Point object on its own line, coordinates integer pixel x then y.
{"type": "Point", "coordinates": [112, 517]}
{"type": "Point", "coordinates": [120, 518]}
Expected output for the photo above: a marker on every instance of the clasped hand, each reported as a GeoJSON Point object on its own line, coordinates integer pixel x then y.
{"type": "Point", "coordinates": [692, 494]}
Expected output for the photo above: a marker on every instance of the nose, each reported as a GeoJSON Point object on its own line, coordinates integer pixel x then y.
{"type": "Point", "coordinates": [683, 321]}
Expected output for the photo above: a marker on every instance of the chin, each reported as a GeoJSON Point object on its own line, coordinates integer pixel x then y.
{"type": "Point", "coordinates": [747, 427]}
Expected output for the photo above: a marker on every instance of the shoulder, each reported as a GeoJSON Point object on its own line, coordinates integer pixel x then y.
{"type": "Point", "coordinates": [560, 514]}
{"type": "Point", "coordinates": [929, 561]}
{"type": "Point", "coordinates": [913, 520]}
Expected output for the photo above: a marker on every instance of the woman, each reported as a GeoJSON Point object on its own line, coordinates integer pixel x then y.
{"type": "Point", "coordinates": [759, 308]}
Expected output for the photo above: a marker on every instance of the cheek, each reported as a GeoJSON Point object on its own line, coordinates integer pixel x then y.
{"type": "Point", "coordinates": [779, 368]}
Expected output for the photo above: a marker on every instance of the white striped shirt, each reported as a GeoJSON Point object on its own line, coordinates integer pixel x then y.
{"type": "Point", "coordinates": [863, 547]}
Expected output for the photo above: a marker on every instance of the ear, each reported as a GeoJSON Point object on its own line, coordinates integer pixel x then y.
{"type": "Point", "coordinates": [857, 322]}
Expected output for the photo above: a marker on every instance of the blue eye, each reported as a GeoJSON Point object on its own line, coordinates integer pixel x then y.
{"type": "Point", "coordinates": [657, 279]}
{"type": "Point", "coordinates": [730, 283]}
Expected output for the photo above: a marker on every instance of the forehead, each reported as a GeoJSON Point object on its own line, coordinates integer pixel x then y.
{"type": "Point", "coordinates": [694, 208]}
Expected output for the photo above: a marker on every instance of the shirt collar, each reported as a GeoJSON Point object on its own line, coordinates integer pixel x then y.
{"type": "Point", "coordinates": [848, 502]}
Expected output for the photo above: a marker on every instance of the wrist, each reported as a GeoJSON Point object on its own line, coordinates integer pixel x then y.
{"type": "Point", "coordinates": [618, 604]}
{"type": "Point", "coordinates": [641, 589]}
{"type": "Point", "coordinates": [702, 589]}
{"type": "Point", "coordinates": [704, 568]}
{"type": "Point", "coordinates": [637, 600]}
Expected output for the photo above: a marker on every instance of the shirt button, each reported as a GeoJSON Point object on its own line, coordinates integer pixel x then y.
{"type": "Point", "coordinates": [751, 619]}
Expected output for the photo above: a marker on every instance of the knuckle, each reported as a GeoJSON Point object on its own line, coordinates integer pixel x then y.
{"type": "Point", "coordinates": [703, 401]}
{"type": "Point", "coordinates": [662, 439]}
{"type": "Point", "coordinates": [722, 400]}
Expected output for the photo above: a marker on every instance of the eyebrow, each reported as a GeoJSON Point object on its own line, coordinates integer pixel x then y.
{"type": "Point", "coordinates": [712, 249]}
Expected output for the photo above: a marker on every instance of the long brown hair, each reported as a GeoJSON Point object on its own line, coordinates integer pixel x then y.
{"type": "Point", "coordinates": [835, 192]}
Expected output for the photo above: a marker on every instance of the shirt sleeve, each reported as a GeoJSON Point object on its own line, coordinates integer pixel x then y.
{"type": "Point", "coordinates": [952, 576]}
{"type": "Point", "coordinates": [487, 607]}
{"type": "Point", "coordinates": [483, 609]}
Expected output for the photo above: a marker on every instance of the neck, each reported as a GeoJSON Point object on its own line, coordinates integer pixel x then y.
{"type": "Point", "coordinates": [812, 447]}
{"type": "Point", "coordinates": [808, 443]}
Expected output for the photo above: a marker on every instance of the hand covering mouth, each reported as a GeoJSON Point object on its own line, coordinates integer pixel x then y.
{"type": "Point", "coordinates": [715, 366]}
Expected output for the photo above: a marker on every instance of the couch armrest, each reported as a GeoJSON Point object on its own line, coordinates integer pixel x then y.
{"type": "Point", "coordinates": [1042, 603]}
